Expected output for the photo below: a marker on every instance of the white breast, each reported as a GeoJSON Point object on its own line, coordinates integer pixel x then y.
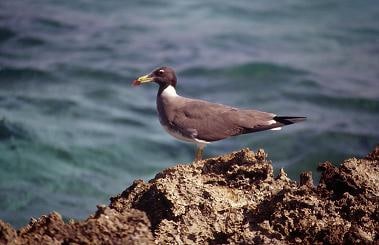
{"type": "Point", "coordinates": [170, 91]}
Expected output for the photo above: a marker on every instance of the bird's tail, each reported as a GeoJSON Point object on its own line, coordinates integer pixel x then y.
{"type": "Point", "coordinates": [276, 123]}
{"type": "Point", "coordinates": [289, 120]}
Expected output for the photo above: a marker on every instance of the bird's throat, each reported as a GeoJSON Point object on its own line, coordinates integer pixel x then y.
{"type": "Point", "coordinates": [168, 91]}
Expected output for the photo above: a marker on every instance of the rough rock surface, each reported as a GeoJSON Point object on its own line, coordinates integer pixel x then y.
{"type": "Point", "coordinates": [106, 226]}
{"type": "Point", "coordinates": [233, 199]}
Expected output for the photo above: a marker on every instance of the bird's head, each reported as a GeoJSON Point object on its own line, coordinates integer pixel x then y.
{"type": "Point", "coordinates": [164, 76]}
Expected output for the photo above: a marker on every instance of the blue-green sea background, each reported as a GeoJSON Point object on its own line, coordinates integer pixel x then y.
{"type": "Point", "coordinates": [73, 132]}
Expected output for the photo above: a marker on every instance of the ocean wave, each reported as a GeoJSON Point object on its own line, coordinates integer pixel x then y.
{"type": "Point", "coordinates": [9, 130]}
{"type": "Point", "coordinates": [6, 34]}
{"type": "Point", "coordinates": [53, 23]}
{"type": "Point", "coordinates": [30, 41]}
{"type": "Point", "coordinates": [51, 106]}
{"type": "Point", "coordinates": [245, 70]}
{"type": "Point", "coordinates": [91, 73]}
{"type": "Point", "coordinates": [13, 74]}
{"type": "Point", "coordinates": [339, 102]}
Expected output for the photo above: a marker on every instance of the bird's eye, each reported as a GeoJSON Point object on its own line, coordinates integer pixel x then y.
{"type": "Point", "coordinates": [161, 71]}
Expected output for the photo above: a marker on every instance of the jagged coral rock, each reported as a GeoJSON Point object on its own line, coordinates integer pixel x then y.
{"type": "Point", "coordinates": [107, 226]}
{"type": "Point", "coordinates": [7, 233]}
{"type": "Point", "coordinates": [231, 199]}
{"type": "Point", "coordinates": [236, 199]}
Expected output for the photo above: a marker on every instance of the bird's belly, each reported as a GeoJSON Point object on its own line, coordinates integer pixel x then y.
{"type": "Point", "coordinates": [176, 134]}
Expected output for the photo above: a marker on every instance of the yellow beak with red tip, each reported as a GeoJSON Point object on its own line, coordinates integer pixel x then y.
{"type": "Point", "coordinates": [142, 79]}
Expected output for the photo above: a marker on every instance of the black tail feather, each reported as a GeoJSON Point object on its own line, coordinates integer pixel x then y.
{"type": "Point", "coordinates": [289, 120]}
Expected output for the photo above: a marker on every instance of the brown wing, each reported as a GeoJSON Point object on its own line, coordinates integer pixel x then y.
{"type": "Point", "coordinates": [211, 122]}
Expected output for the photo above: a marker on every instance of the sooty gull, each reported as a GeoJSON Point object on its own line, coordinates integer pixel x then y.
{"type": "Point", "coordinates": [202, 122]}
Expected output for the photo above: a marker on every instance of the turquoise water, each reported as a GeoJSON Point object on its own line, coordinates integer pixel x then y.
{"type": "Point", "coordinates": [73, 132]}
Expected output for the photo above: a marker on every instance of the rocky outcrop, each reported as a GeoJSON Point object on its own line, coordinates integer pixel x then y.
{"type": "Point", "coordinates": [231, 199]}
{"type": "Point", "coordinates": [104, 227]}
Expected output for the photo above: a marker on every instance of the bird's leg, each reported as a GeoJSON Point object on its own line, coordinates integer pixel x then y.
{"type": "Point", "coordinates": [199, 153]}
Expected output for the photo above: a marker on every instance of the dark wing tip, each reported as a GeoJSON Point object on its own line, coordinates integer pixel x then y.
{"type": "Point", "coordinates": [286, 120]}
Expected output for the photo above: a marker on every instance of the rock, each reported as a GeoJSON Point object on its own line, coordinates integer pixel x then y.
{"type": "Point", "coordinates": [232, 199]}
{"type": "Point", "coordinates": [306, 179]}
{"type": "Point", "coordinates": [106, 226]}
{"type": "Point", "coordinates": [7, 233]}
{"type": "Point", "coordinates": [236, 199]}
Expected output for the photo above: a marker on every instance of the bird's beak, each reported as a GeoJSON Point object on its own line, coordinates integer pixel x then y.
{"type": "Point", "coordinates": [143, 79]}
